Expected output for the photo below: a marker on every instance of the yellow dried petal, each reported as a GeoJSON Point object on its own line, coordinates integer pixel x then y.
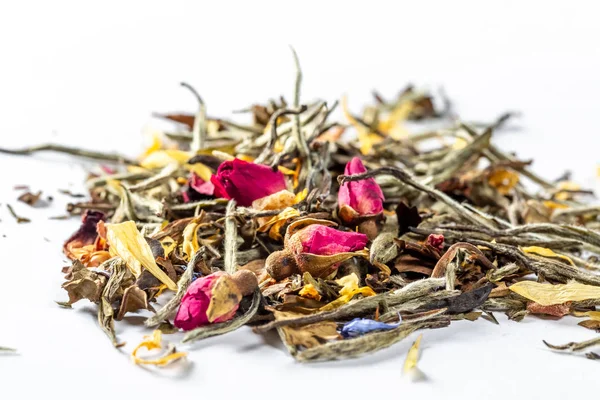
{"type": "Point", "coordinates": [392, 125]}
{"type": "Point", "coordinates": [162, 158]}
{"type": "Point", "coordinates": [155, 145]}
{"type": "Point", "coordinates": [301, 196]}
{"type": "Point", "coordinates": [594, 315]}
{"type": "Point", "coordinates": [201, 170]}
{"type": "Point", "coordinates": [566, 185]}
{"type": "Point", "coordinates": [340, 301]}
{"type": "Point", "coordinates": [554, 205]}
{"type": "Point", "coordinates": [365, 138]}
{"type": "Point", "coordinates": [310, 292]}
{"type": "Point", "coordinates": [544, 252]}
{"type": "Point", "coordinates": [459, 143]}
{"type": "Point", "coordinates": [128, 243]}
{"type": "Point", "coordinates": [168, 245]}
{"type": "Point", "coordinates": [274, 225]}
{"type": "Point", "coordinates": [190, 240]}
{"type": "Point", "coordinates": [413, 356]}
{"type": "Point", "coordinates": [151, 343]}
{"type": "Point", "coordinates": [225, 297]}
{"type": "Point", "coordinates": [349, 283]}
{"type": "Point", "coordinates": [547, 295]}
{"type": "Point", "coordinates": [503, 180]}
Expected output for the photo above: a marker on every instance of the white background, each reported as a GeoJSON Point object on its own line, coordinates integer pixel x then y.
{"type": "Point", "coordinates": [90, 74]}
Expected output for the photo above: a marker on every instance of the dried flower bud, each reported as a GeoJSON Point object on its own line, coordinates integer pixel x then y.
{"type": "Point", "coordinates": [246, 182]}
{"type": "Point", "coordinates": [194, 306]}
{"type": "Point", "coordinates": [316, 249]}
{"type": "Point", "coordinates": [361, 198]}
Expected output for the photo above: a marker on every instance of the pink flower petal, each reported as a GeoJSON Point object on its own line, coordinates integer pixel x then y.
{"type": "Point", "coordinates": [246, 182]}
{"type": "Point", "coordinates": [323, 240]}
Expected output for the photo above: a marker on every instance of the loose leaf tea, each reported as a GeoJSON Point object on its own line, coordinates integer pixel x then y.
{"type": "Point", "coordinates": [344, 237]}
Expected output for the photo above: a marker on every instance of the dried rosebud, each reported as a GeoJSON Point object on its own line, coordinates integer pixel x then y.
{"type": "Point", "coordinates": [317, 249]}
{"type": "Point", "coordinates": [86, 235]}
{"type": "Point", "coordinates": [436, 241]}
{"type": "Point", "coordinates": [193, 311]}
{"type": "Point", "coordinates": [245, 182]}
{"type": "Point", "coordinates": [324, 241]}
{"type": "Point", "coordinates": [361, 198]}
{"type": "Point", "coordinates": [197, 187]}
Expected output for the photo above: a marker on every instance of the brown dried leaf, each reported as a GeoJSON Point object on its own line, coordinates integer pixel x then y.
{"type": "Point", "coordinates": [590, 324]}
{"type": "Point", "coordinates": [312, 335]}
{"type": "Point", "coordinates": [134, 299]}
{"type": "Point", "coordinates": [83, 284]}
{"type": "Point", "coordinates": [30, 198]}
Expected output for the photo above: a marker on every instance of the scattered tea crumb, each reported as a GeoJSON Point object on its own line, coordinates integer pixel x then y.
{"type": "Point", "coordinates": [20, 220]}
{"type": "Point", "coordinates": [30, 198]}
{"type": "Point", "coordinates": [68, 192]}
{"type": "Point", "coordinates": [60, 217]}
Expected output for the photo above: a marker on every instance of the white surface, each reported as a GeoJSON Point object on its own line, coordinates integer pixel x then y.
{"type": "Point", "coordinates": [91, 75]}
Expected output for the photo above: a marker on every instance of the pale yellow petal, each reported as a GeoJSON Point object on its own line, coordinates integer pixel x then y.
{"type": "Point", "coordinates": [547, 294]}
{"type": "Point", "coordinates": [128, 243]}
{"type": "Point", "coordinates": [413, 356]}
{"type": "Point", "coordinates": [544, 252]}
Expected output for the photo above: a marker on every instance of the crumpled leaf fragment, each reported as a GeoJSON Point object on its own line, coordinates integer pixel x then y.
{"type": "Point", "coordinates": [112, 290]}
{"type": "Point", "coordinates": [544, 252]}
{"type": "Point", "coordinates": [547, 295]}
{"type": "Point", "coordinates": [83, 284]}
{"type": "Point", "coordinates": [127, 242]}
{"type": "Point", "coordinates": [154, 342]}
{"type": "Point", "coordinates": [307, 335]}
{"type": "Point", "coordinates": [134, 299]}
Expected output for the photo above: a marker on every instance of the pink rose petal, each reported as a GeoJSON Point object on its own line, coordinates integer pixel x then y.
{"type": "Point", "coordinates": [246, 182]}
{"type": "Point", "coordinates": [323, 240]}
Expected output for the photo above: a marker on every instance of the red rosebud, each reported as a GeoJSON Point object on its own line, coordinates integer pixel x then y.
{"type": "Point", "coordinates": [316, 249]}
{"type": "Point", "coordinates": [195, 303]}
{"type": "Point", "coordinates": [360, 198]}
{"type": "Point", "coordinates": [245, 182]}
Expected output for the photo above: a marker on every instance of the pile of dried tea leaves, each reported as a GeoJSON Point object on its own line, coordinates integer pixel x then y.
{"type": "Point", "coordinates": [344, 237]}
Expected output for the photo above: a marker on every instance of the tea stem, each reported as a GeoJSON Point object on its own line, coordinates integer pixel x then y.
{"type": "Point", "coordinates": [199, 128]}
{"type": "Point", "coordinates": [94, 155]}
